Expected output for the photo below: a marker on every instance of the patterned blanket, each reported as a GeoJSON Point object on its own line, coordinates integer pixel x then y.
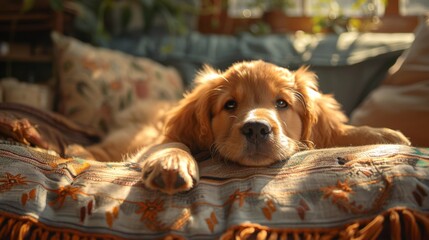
{"type": "Point", "coordinates": [345, 193]}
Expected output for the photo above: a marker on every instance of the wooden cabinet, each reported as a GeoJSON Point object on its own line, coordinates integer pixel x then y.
{"type": "Point", "coordinates": [25, 45]}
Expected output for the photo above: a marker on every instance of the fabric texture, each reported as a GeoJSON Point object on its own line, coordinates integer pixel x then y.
{"type": "Point", "coordinates": [357, 192]}
{"type": "Point", "coordinates": [96, 83]}
{"type": "Point", "coordinates": [402, 101]}
{"type": "Point", "coordinates": [378, 191]}
{"type": "Point", "coordinates": [42, 129]}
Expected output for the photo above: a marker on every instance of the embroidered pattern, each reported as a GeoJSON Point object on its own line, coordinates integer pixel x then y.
{"type": "Point", "coordinates": [86, 210]}
{"type": "Point", "coordinates": [28, 196]}
{"type": "Point", "coordinates": [149, 211]}
{"type": "Point", "coordinates": [212, 221]}
{"type": "Point", "coordinates": [340, 196]}
{"type": "Point", "coordinates": [111, 198]}
{"type": "Point", "coordinates": [337, 193]}
{"type": "Point", "coordinates": [419, 194]}
{"type": "Point", "coordinates": [269, 209]}
{"type": "Point", "coordinates": [302, 208]}
{"type": "Point", "coordinates": [112, 216]}
{"type": "Point", "coordinates": [8, 181]}
{"type": "Point", "coordinates": [239, 197]}
{"type": "Point", "coordinates": [64, 192]}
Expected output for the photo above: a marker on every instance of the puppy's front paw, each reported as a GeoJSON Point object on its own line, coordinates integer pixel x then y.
{"type": "Point", "coordinates": [170, 170]}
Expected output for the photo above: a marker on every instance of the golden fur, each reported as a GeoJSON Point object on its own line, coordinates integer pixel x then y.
{"type": "Point", "coordinates": [255, 114]}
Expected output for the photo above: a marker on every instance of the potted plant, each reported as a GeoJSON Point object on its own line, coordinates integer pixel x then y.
{"type": "Point", "coordinates": [275, 14]}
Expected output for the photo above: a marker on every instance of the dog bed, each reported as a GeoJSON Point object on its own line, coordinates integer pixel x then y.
{"type": "Point", "coordinates": [377, 191]}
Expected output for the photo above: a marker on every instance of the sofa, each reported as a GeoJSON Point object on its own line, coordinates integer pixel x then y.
{"type": "Point", "coordinates": [49, 191]}
{"type": "Point", "coordinates": [349, 65]}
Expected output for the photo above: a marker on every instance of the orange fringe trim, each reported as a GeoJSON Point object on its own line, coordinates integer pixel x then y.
{"type": "Point", "coordinates": [15, 227]}
{"type": "Point", "coordinates": [396, 223]}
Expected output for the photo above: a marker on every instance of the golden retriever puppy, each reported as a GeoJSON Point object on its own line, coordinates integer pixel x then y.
{"type": "Point", "coordinates": [254, 114]}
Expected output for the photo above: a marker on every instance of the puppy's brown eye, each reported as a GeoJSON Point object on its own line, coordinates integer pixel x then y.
{"type": "Point", "coordinates": [230, 105]}
{"type": "Point", "coordinates": [280, 103]}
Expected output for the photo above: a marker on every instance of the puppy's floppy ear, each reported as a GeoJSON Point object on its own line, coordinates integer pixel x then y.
{"type": "Point", "coordinates": [190, 121]}
{"type": "Point", "coordinates": [306, 85]}
{"type": "Point", "coordinates": [322, 114]}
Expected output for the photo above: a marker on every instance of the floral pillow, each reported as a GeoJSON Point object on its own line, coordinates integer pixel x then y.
{"type": "Point", "coordinates": [95, 83]}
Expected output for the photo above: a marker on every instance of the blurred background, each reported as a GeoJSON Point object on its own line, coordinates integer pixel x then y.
{"type": "Point", "coordinates": [25, 24]}
{"type": "Point", "coordinates": [26, 48]}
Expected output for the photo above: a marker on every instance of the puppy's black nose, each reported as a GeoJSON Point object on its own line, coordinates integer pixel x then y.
{"type": "Point", "coordinates": [256, 131]}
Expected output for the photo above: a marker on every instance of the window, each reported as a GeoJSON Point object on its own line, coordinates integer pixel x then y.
{"type": "Point", "coordinates": [413, 7]}
{"type": "Point", "coordinates": [383, 15]}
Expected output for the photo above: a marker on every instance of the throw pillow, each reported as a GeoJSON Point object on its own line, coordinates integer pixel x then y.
{"type": "Point", "coordinates": [413, 65]}
{"type": "Point", "coordinates": [96, 83]}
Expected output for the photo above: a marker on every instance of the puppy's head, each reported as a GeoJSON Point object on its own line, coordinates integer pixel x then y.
{"type": "Point", "coordinates": [255, 113]}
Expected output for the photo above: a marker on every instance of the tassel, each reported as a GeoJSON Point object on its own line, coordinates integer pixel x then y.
{"type": "Point", "coordinates": [423, 219]}
{"type": "Point", "coordinates": [315, 236]}
{"type": "Point", "coordinates": [283, 236]}
{"type": "Point", "coordinates": [349, 232]}
{"type": "Point", "coordinates": [372, 229]}
{"type": "Point", "coordinates": [273, 236]}
{"type": "Point", "coordinates": [246, 232]}
{"type": "Point", "coordinates": [9, 226]}
{"type": "Point", "coordinates": [3, 231]}
{"type": "Point", "coordinates": [329, 235]}
{"type": "Point", "coordinates": [308, 236]}
{"type": "Point", "coordinates": [37, 234]}
{"type": "Point", "coordinates": [45, 235]}
{"type": "Point", "coordinates": [395, 225]}
{"type": "Point", "coordinates": [15, 230]}
{"type": "Point", "coordinates": [24, 231]}
{"type": "Point", "coordinates": [411, 228]}
{"type": "Point", "coordinates": [262, 235]}
{"type": "Point", "coordinates": [295, 236]}
{"type": "Point", "coordinates": [6, 228]}
{"type": "Point", "coordinates": [66, 237]}
{"type": "Point", "coordinates": [227, 235]}
{"type": "Point", "coordinates": [56, 236]}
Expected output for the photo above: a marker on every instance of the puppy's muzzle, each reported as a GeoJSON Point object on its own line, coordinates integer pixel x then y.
{"type": "Point", "coordinates": [256, 131]}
